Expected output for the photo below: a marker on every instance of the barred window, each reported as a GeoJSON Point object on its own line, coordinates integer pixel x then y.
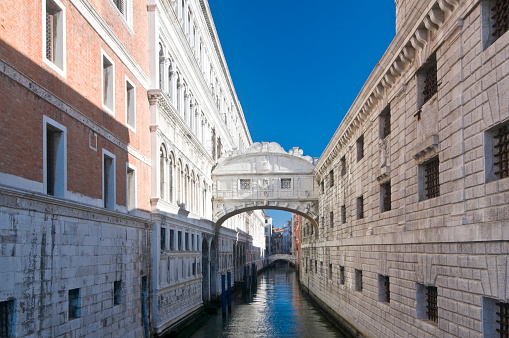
{"type": "Point", "coordinates": [358, 280]}
{"type": "Point", "coordinates": [245, 184]}
{"type": "Point", "coordinates": [385, 122]}
{"type": "Point", "coordinates": [502, 152]}
{"type": "Point", "coordinates": [117, 292]}
{"type": "Point", "coordinates": [7, 326]}
{"type": "Point", "coordinates": [331, 178]}
{"type": "Point", "coordinates": [431, 304]}
{"type": "Point", "coordinates": [432, 183]}
{"type": "Point", "coordinates": [286, 183]}
{"type": "Point", "coordinates": [74, 303]}
{"type": "Point", "coordinates": [384, 291]}
{"type": "Point", "coordinates": [360, 207]}
{"type": "Point", "coordinates": [343, 166]}
{"type": "Point", "coordinates": [385, 196]}
{"type": "Point", "coordinates": [430, 82]}
{"type": "Point", "coordinates": [503, 319]}
{"type": "Point", "coordinates": [343, 214]}
{"type": "Point", "coordinates": [500, 17]}
{"type": "Point", "coordinates": [342, 275]}
{"type": "Point", "coordinates": [331, 218]}
{"type": "Point", "coordinates": [360, 148]}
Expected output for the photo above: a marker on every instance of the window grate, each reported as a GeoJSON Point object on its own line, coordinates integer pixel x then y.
{"type": "Point", "coordinates": [503, 320]}
{"type": "Point", "coordinates": [245, 184]}
{"type": "Point", "coordinates": [432, 178]}
{"type": "Point", "coordinates": [431, 306]}
{"type": "Point", "coordinates": [502, 155]}
{"type": "Point", "coordinates": [500, 18]}
{"type": "Point", "coordinates": [430, 83]}
{"type": "Point", "coordinates": [286, 183]}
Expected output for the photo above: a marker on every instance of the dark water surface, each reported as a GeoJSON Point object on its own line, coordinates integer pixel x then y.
{"type": "Point", "coordinates": [276, 309]}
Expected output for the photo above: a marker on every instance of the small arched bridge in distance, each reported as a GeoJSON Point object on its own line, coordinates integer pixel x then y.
{"type": "Point", "coordinates": [281, 257]}
{"type": "Point", "coordinates": [264, 176]}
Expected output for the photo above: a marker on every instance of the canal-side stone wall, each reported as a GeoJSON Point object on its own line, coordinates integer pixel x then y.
{"type": "Point", "coordinates": [51, 247]}
{"type": "Point", "coordinates": [414, 221]}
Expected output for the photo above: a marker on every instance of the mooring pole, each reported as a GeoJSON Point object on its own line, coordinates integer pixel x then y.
{"type": "Point", "coordinates": [229, 274]}
{"type": "Point", "coordinates": [245, 278]}
{"type": "Point", "coordinates": [253, 267]}
{"type": "Point", "coordinates": [223, 294]}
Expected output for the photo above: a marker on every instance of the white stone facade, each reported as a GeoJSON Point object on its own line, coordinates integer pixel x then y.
{"type": "Point", "coordinates": [373, 263]}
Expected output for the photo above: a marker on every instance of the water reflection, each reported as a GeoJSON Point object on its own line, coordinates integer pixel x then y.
{"type": "Point", "coordinates": [275, 309]}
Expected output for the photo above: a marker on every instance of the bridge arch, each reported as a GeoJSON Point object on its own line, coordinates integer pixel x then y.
{"type": "Point", "coordinates": [264, 176]}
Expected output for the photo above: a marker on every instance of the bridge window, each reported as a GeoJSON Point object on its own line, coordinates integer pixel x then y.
{"type": "Point", "coordinates": [286, 183]}
{"type": "Point", "coordinates": [245, 184]}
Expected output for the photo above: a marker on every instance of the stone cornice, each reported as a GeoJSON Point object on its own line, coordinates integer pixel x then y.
{"type": "Point", "coordinates": [391, 67]}
{"type": "Point", "coordinates": [66, 208]}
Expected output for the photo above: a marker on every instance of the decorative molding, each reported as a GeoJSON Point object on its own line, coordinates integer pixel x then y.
{"type": "Point", "coordinates": [426, 149]}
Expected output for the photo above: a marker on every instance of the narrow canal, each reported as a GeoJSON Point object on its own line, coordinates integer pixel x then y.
{"type": "Point", "coordinates": [277, 308]}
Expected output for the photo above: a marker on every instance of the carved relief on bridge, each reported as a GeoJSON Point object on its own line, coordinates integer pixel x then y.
{"type": "Point", "coordinates": [265, 176]}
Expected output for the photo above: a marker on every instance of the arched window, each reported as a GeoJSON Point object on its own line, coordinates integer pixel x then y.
{"type": "Point", "coordinates": [171, 169]}
{"type": "Point", "coordinates": [179, 182]}
{"type": "Point", "coordinates": [186, 188]}
{"type": "Point", "coordinates": [162, 172]}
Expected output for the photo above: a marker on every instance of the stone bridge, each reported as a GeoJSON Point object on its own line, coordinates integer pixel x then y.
{"type": "Point", "coordinates": [281, 257]}
{"type": "Point", "coordinates": [264, 176]}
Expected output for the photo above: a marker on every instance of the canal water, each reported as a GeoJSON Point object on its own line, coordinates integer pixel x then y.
{"type": "Point", "coordinates": [276, 308]}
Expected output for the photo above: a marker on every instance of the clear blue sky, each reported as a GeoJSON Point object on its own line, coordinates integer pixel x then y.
{"type": "Point", "coordinates": [297, 66]}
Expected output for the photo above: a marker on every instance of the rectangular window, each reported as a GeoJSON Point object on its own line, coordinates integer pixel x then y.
{"type": "Point", "coordinates": [74, 304]}
{"type": "Point", "coordinates": [341, 275]}
{"type": "Point", "coordinates": [163, 238]}
{"type": "Point", "coordinates": [120, 4]}
{"type": "Point", "coordinates": [384, 291]}
{"type": "Point", "coordinates": [331, 178]}
{"type": "Point", "coordinates": [172, 239]}
{"type": "Point", "coordinates": [343, 166]}
{"type": "Point", "coordinates": [330, 271]}
{"type": "Point", "coordinates": [495, 20]}
{"type": "Point", "coordinates": [286, 183]}
{"type": "Point", "coordinates": [358, 280]}
{"type": "Point", "coordinates": [130, 104]}
{"type": "Point", "coordinates": [431, 178]}
{"type": "Point", "coordinates": [108, 180]}
{"type": "Point", "coordinates": [108, 84]}
{"type": "Point", "coordinates": [192, 243]}
{"type": "Point", "coordinates": [55, 157]}
{"type": "Point", "coordinates": [343, 214]}
{"type": "Point", "coordinates": [316, 266]}
{"type": "Point", "coordinates": [117, 292]}
{"type": "Point", "coordinates": [495, 318]}
{"type": "Point", "coordinates": [331, 219]}
{"type": "Point", "coordinates": [321, 268]}
{"type": "Point", "coordinates": [501, 153]}
{"type": "Point", "coordinates": [131, 188]}
{"type": "Point", "coordinates": [360, 207]}
{"type": "Point", "coordinates": [322, 185]}
{"type": "Point", "coordinates": [360, 148]}
{"type": "Point", "coordinates": [8, 318]}
{"type": "Point", "coordinates": [427, 82]}
{"type": "Point", "coordinates": [385, 196]}
{"type": "Point", "coordinates": [385, 122]}
{"type": "Point", "coordinates": [54, 34]}
{"type": "Point", "coordinates": [431, 305]}
{"type": "Point", "coordinates": [179, 239]}
{"type": "Point", "coordinates": [245, 184]}
{"type": "Point", "coordinates": [187, 241]}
